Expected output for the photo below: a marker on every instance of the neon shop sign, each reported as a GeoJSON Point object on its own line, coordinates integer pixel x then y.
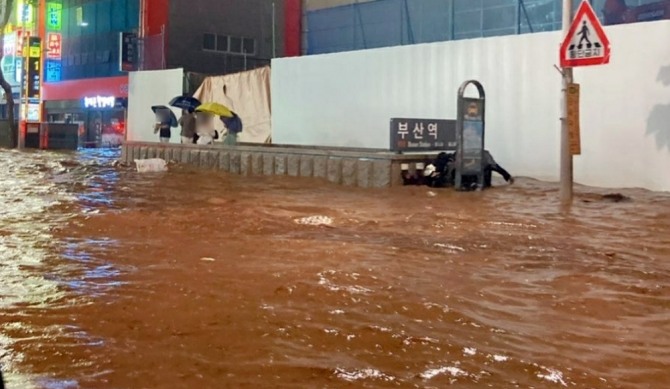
{"type": "Point", "coordinates": [99, 102]}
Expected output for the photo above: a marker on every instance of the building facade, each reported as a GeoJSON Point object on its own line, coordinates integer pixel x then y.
{"type": "Point", "coordinates": [219, 37]}
{"type": "Point", "coordinates": [83, 80]}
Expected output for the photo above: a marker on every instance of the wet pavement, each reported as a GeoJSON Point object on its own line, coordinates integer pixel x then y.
{"type": "Point", "coordinates": [200, 279]}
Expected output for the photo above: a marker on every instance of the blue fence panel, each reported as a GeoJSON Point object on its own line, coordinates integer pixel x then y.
{"type": "Point", "coordinates": [430, 21]}
{"type": "Point", "coordinates": [330, 30]}
{"type": "Point", "coordinates": [384, 23]}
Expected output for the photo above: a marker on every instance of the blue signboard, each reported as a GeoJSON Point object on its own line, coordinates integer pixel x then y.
{"type": "Point", "coordinates": [52, 70]}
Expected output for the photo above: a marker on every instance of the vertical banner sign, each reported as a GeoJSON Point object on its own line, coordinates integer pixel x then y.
{"type": "Point", "coordinates": [473, 135]}
{"type": "Point", "coordinates": [54, 16]}
{"type": "Point", "coordinates": [18, 65]}
{"type": "Point", "coordinates": [470, 133]}
{"type": "Point", "coordinates": [33, 68]}
{"type": "Point", "coordinates": [54, 42]}
{"type": "Point", "coordinates": [573, 119]}
{"type": "Point", "coordinates": [54, 45]}
{"type": "Point", "coordinates": [24, 13]}
{"type": "Point", "coordinates": [128, 51]}
{"type": "Point", "coordinates": [52, 71]}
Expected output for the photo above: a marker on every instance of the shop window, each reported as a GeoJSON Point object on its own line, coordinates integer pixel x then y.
{"type": "Point", "coordinates": [222, 43]}
{"type": "Point", "coordinates": [209, 42]}
{"type": "Point", "coordinates": [229, 44]}
{"type": "Point", "coordinates": [249, 46]}
{"type": "Point", "coordinates": [235, 44]}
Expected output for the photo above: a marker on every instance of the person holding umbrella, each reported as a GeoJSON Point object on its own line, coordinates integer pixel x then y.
{"type": "Point", "coordinates": [165, 120]}
{"type": "Point", "coordinates": [234, 126]}
{"type": "Point", "coordinates": [187, 123]}
{"type": "Point", "coordinates": [227, 116]}
{"type": "Point", "coordinates": [205, 128]}
{"type": "Point", "coordinates": [187, 120]}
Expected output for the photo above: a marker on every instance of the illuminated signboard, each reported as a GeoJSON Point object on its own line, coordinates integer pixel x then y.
{"type": "Point", "coordinates": [34, 112]}
{"type": "Point", "coordinates": [52, 71]}
{"type": "Point", "coordinates": [19, 70]}
{"type": "Point", "coordinates": [9, 42]}
{"type": "Point", "coordinates": [34, 47]}
{"type": "Point", "coordinates": [25, 14]}
{"type": "Point", "coordinates": [8, 64]}
{"type": "Point", "coordinates": [19, 42]}
{"type": "Point", "coordinates": [99, 102]}
{"type": "Point", "coordinates": [32, 82]}
{"type": "Point", "coordinates": [54, 16]}
{"type": "Point", "coordinates": [54, 45]}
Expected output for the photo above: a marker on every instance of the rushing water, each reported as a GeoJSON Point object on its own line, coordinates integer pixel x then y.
{"type": "Point", "coordinates": [199, 279]}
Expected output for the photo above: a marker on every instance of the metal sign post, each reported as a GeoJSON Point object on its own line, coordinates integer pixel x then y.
{"type": "Point", "coordinates": [470, 130]}
{"type": "Point", "coordinates": [585, 44]}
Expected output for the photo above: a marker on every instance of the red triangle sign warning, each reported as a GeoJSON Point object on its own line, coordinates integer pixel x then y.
{"type": "Point", "coordinates": [586, 43]}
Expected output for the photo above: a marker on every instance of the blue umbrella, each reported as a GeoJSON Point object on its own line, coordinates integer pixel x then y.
{"type": "Point", "coordinates": [185, 102]}
{"type": "Point", "coordinates": [233, 124]}
{"type": "Point", "coordinates": [165, 110]}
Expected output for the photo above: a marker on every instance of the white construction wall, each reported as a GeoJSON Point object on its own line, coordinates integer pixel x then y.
{"type": "Point", "coordinates": [347, 99]}
{"type": "Point", "coordinates": [146, 89]}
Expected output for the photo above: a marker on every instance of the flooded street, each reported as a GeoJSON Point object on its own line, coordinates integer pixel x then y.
{"type": "Point", "coordinates": [202, 279]}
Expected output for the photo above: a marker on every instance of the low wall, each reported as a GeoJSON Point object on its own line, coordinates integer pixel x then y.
{"type": "Point", "coordinates": [353, 167]}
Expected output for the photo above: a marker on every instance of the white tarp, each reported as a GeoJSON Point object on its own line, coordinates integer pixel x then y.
{"type": "Point", "coordinates": [148, 88]}
{"type": "Point", "coordinates": [248, 95]}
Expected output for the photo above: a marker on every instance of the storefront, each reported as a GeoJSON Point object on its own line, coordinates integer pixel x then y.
{"type": "Point", "coordinates": [98, 105]}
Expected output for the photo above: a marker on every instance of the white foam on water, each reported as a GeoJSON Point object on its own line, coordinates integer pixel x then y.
{"type": "Point", "coordinates": [381, 329]}
{"type": "Point", "coordinates": [353, 289]}
{"type": "Point", "coordinates": [499, 358]}
{"type": "Point", "coordinates": [316, 220]}
{"type": "Point", "coordinates": [553, 376]}
{"type": "Point", "coordinates": [469, 351]}
{"type": "Point", "coordinates": [362, 374]}
{"type": "Point", "coordinates": [450, 247]}
{"type": "Point", "coordinates": [452, 370]}
{"type": "Point", "coordinates": [444, 308]}
{"type": "Point", "coordinates": [425, 339]}
{"type": "Point", "coordinates": [336, 312]}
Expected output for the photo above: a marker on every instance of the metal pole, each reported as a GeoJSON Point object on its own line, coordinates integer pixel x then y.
{"type": "Point", "coordinates": [566, 183]}
{"type": "Point", "coordinates": [274, 32]}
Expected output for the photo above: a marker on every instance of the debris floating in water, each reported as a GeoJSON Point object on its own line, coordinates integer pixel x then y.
{"type": "Point", "coordinates": [208, 259]}
{"type": "Point", "coordinates": [151, 165]}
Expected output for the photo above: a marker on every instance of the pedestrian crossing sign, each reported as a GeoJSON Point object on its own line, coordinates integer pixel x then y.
{"type": "Point", "coordinates": [586, 43]}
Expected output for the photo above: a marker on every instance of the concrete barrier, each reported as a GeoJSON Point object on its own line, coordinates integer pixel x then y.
{"type": "Point", "coordinates": [351, 167]}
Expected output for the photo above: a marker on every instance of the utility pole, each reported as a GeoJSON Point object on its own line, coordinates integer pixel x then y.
{"type": "Point", "coordinates": [565, 191]}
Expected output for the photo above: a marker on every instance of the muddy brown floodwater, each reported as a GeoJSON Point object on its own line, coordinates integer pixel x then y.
{"type": "Point", "coordinates": [200, 279]}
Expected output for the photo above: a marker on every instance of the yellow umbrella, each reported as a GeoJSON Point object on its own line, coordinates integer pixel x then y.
{"type": "Point", "coordinates": [215, 109]}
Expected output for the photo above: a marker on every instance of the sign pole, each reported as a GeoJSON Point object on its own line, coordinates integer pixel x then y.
{"type": "Point", "coordinates": [566, 184]}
